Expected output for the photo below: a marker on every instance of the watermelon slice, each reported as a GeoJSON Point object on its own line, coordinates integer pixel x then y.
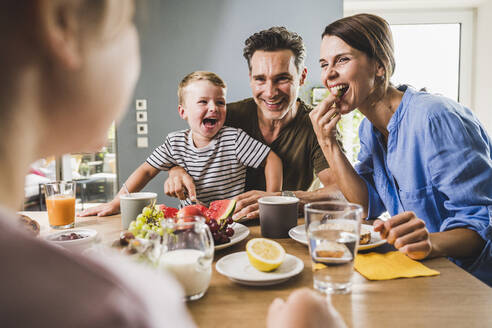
{"type": "Point", "coordinates": [221, 209]}
{"type": "Point", "coordinates": [169, 212]}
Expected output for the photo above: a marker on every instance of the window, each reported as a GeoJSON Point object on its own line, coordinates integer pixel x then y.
{"type": "Point", "coordinates": [95, 174]}
{"type": "Point", "coordinates": [428, 56]}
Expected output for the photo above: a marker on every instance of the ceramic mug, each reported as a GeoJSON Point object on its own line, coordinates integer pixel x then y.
{"type": "Point", "coordinates": [278, 214]}
{"type": "Point", "coordinates": [132, 204]}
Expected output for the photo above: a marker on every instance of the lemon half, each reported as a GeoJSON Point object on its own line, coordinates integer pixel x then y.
{"type": "Point", "coordinates": [265, 254]}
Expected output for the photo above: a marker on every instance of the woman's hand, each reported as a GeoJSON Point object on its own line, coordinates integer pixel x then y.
{"type": "Point", "coordinates": [324, 118]}
{"type": "Point", "coordinates": [407, 233]}
{"type": "Point", "coordinates": [247, 204]}
{"type": "Point", "coordinates": [180, 184]}
{"type": "Point", "coordinates": [303, 308]}
{"type": "Point", "coordinates": [113, 207]}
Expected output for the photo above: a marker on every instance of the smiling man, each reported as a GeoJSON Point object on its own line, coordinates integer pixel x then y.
{"type": "Point", "coordinates": [277, 117]}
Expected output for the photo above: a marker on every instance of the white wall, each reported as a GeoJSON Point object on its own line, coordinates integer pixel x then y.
{"type": "Point", "coordinates": [482, 83]}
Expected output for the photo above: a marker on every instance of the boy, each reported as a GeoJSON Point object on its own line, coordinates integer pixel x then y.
{"type": "Point", "coordinates": [216, 156]}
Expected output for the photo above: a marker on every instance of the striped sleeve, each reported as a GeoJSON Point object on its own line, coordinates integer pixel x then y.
{"type": "Point", "coordinates": [250, 151]}
{"type": "Point", "coordinates": [163, 156]}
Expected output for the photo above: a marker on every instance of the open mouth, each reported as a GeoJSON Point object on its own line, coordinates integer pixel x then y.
{"type": "Point", "coordinates": [273, 104]}
{"type": "Point", "coordinates": [339, 90]}
{"type": "Point", "coordinates": [210, 122]}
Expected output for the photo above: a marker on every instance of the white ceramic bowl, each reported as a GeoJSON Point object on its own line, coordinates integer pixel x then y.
{"type": "Point", "coordinates": [77, 245]}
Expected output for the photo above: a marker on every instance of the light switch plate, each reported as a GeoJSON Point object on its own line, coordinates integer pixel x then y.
{"type": "Point", "coordinates": [142, 116]}
{"type": "Point", "coordinates": [141, 104]}
{"type": "Point", "coordinates": [142, 128]}
{"type": "Point", "coordinates": [142, 142]}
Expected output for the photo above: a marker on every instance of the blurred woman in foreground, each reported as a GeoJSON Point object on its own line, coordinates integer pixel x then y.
{"type": "Point", "coordinates": [424, 158]}
{"type": "Point", "coordinates": [68, 69]}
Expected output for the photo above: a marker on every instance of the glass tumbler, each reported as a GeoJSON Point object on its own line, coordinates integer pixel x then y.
{"type": "Point", "coordinates": [333, 230]}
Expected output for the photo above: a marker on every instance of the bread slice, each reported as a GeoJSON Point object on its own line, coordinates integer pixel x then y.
{"type": "Point", "coordinates": [365, 231]}
{"type": "Point", "coordinates": [330, 249]}
{"type": "Point", "coordinates": [365, 235]}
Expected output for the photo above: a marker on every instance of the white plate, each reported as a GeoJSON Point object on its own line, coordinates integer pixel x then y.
{"type": "Point", "coordinates": [259, 283]}
{"type": "Point", "coordinates": [299, 234]}
{"type": "Point", "coordinates": [78, 245]}
{"type": "Point", "coordinates": [236, 267]}
{"type": "Point", "coordinates": [240, 232]}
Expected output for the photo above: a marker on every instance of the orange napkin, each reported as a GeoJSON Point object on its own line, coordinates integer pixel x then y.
{"type": "Point", "coordinates": [375, 266]}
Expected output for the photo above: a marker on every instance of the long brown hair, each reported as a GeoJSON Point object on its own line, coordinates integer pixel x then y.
{"type": "Point", "coordinates": [370, 34]}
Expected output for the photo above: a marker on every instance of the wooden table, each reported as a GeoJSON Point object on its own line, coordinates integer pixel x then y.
{"type": "Point", "coordinates": [452, 299]}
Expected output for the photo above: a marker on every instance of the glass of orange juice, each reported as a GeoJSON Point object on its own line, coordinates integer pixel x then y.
{"type": "Point", "coordinates": [60, 203]}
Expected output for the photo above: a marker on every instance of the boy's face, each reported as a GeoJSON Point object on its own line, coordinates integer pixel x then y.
{"type": "Point", "coordinates": [204, 109]}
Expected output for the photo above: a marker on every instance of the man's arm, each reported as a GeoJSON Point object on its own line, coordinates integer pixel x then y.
{"type": "Point", "coordinates": [273, 172]}
{"type": "Point", "coordinates": [247, 203]}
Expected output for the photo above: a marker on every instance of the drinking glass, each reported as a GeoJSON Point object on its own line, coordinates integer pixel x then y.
{"type": "Point", "coordinates": [187, 253]}
{"type": "Point", "coordinates": [333, 230]}
{"type": "Point", "coordinates": [60, 203]}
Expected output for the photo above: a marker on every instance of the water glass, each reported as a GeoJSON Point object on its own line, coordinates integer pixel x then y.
{"type": "Point", "coordinates": [333, 230]}
{"type": "Point", "coordinates": [187, 253]}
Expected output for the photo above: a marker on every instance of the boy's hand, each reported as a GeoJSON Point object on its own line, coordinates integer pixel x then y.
{"type": "Point", "coordinates": [180, 184]}
{"type": "Point", "coordinates": [110, 208]}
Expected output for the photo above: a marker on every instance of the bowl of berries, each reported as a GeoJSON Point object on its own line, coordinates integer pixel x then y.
{"type": "Point", "coordinates": [77, 240]}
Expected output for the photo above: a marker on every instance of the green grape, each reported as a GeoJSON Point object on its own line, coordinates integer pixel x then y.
{"type": "Point", "coordinates": [132, 225]}
{"type": "Point", "coordinates": [139, 224]}
{"type": "Point", "coordinates": [141, 218]}
{"type": "Point", "coordinates": [160, 231]}
{"type": "Point", "coordinates": [145, 227]}
{"type": "Point", "coordinates": [147, 211]}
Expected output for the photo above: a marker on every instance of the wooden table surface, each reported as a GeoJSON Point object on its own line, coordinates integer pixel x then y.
{"type": "Point", "coordinates": [453, 299]}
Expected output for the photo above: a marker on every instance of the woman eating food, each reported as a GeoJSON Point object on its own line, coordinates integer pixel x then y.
{"type": "Point", "coordinates": [424, 158]}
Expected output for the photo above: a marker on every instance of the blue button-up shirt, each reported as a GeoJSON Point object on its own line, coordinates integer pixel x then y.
{"type": "Point", "coordinates": [437, 163]}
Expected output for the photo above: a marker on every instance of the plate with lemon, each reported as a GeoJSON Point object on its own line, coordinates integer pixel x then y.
{"type": "Point", "coordinates": [264, 263]}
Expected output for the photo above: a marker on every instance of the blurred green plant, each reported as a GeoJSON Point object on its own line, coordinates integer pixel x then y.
{"type": "Point", "coordinates": [348, 126]}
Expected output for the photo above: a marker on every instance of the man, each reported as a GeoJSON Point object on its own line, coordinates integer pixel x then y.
{"type": "Point", "coordinates": [275, 116]}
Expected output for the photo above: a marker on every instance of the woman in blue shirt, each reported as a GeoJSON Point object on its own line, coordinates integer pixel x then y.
{"type": "Point", "coordinates": [424, 158]}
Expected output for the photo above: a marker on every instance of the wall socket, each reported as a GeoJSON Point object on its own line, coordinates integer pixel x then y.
{"type": "Point", "coordinates": [142, 128]}
{"type": "Point", "coordinates": [141, 104]}
{"type": "Point", "coordinates": [142, 142]}
{"type": "Point", "coordinates": [142, 116]}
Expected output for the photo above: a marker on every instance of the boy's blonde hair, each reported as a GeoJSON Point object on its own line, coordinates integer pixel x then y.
{"type": "Point", "coordinates": [198, 76]}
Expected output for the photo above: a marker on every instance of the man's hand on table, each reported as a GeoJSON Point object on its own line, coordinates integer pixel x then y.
{"type": "Point", "coordinates": [407, 233]}
{"type": "Point", "coordinates": [110, 208]}
{"type": "Point", "coordinates": [303, 308]}
{"type": "Point", "coordinates": [247, 204]}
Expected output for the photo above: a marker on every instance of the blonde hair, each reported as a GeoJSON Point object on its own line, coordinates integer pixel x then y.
{"type": "Point", "coordinates": [198, 76]}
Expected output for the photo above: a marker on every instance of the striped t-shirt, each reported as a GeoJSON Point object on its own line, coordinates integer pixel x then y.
{"type": "Point", "coordinates": [218, 169]}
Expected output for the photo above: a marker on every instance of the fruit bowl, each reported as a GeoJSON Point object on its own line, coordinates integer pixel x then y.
{"type": "Point", "coordinates": [76, 240]}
